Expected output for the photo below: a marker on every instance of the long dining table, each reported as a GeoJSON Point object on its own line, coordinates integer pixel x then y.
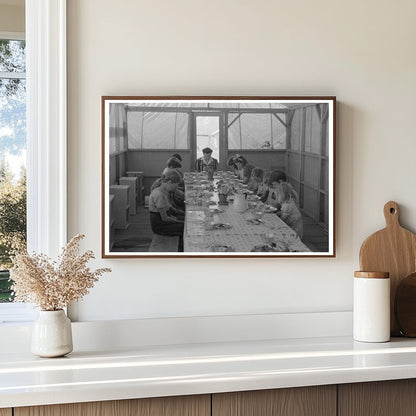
{"type": "Point", "coordinates": [212, 227]}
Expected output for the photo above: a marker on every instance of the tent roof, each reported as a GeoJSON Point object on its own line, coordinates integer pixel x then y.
{"type": "Point", "coordinates": [230, 106]}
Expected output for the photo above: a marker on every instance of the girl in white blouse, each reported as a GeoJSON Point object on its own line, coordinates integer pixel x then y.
{"type": "Point", "coordinates": [164, 218]}
{"type": "Point", "coordinates": [289, 211]}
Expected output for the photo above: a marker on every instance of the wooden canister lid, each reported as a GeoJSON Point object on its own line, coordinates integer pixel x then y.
{"type": "Point", "coordinates": [372, 275]}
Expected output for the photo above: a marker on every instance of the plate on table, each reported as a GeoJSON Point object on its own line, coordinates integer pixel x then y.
{"type": "Point", "coordinates": [251, 197]}
{"type": "Point", "coordinates": [222, 226]}
{"type": "Point", "coordinates": [216, 210]}
{"type": "Point", "coordinates": [264, 248]}
{"type": "Point", "coordinates": [255, 221]}
{"type": "Point", "coordinates": [221, 248]}
{"type": "Point", "coordinates": [268, 209]}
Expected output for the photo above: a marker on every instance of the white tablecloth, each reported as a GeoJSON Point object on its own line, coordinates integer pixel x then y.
{"type": "Point", "coordinates": [243, 234]}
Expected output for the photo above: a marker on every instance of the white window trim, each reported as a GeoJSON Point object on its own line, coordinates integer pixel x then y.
{"type": "Point", "coordinates": [46, 135]}
{"type": "Point", "coordinates": [46, 125]}
{"type": "Point", "coordinates": [12, 35]}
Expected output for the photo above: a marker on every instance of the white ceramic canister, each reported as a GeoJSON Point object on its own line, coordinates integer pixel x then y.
{"type": "Point", "coordinates": [371, 309]}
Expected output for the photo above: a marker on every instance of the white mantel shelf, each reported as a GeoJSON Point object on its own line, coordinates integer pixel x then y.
{"type": "Point", "coordinates": [169, 370]}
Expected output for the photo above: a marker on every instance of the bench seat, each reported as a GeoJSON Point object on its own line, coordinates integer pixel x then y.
{"type": "Point", "coordinates": [164, 243]}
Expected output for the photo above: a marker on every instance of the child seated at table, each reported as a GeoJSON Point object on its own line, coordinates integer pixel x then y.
{"type": "Point", "coordinates": [244, 168]}
{"type": "Point", "coordinates": [289, 211]}
{"type": "Point", "coordinates": [177, 197]}
{"type": "Point", "coordinates": [263, 188]}
{"type": "Point", "coordinates": [165, 219]}
{"type": "Point", "coordinates": [173, 164]}
{"type": "Point", "coordinates": [274, 188]}
{"type": "Point", "coordinates": [255, 180]}
{"type": "Point", "coordinates": [232, 165]}
{"type": "Point", "coordinates": [278, 177]}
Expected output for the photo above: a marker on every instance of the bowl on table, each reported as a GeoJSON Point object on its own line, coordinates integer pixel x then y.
{"type": "Point", "coordinates": [221, 248]}
{"type": "Point", "coordinates": [257, 214]}
{"type": "Point", "coordinates": [268, 237]}
{"type": "Point", "coordinates": [281, 245]}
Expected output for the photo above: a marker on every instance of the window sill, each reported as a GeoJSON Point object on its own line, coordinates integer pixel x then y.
{"type": "Point", "coordinates": [16, 313]}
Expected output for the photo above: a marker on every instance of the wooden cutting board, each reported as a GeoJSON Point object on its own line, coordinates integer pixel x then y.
{"type": "Point", "coordinates": [405, 306]}
{"type": "Point", "coordinates": [393, 250]}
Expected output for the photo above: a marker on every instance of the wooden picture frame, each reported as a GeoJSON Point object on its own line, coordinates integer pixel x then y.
{"type": "Point", "coordinates": [291, 140]}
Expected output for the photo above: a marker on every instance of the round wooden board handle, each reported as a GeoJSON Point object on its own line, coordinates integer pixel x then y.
{"type": "Point", "coordinates": [391, 214]}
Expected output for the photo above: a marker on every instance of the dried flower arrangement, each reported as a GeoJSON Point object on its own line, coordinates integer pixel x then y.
{"type": "Point", "coordinates": [52, 285]}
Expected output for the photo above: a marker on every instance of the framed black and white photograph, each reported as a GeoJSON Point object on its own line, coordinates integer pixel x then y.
{"type": "Point", "coordinates": [218, 176]}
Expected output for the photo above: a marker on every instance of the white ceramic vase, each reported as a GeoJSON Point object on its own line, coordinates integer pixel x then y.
{"type": "Point", "coordinates": [52, 334]}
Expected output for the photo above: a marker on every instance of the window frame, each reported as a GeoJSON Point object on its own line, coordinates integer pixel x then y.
{"type": "Point", "coordinates": [46, 112]}
{"type": "Point", "coordinates": [242, 148]}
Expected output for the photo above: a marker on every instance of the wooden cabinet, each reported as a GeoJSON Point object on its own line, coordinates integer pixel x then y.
{"type": "Point", "coordinates": [164, 406]}
{"type": "Point", "coordinates": [140, 188]}
{"type": "Point", "coordinates": [300, 401]}
{"type": "Point", "coordinates": [121, 205]}
{"type": "Point", "coordinates": [385, 398]}
{"type": "Point", "coordinates": [131, 182]}
{"type": "Point", "coordinates": [381, 398]}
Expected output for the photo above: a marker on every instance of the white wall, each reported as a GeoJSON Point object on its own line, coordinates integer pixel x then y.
{"type": "Point", "coordinates": [361, 51]}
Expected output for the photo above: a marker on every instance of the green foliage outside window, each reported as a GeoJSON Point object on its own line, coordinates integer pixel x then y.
{"type": "Point", "coordinates": [12, 147]}
{"type": "Point", "coordinates": [12, 224]}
